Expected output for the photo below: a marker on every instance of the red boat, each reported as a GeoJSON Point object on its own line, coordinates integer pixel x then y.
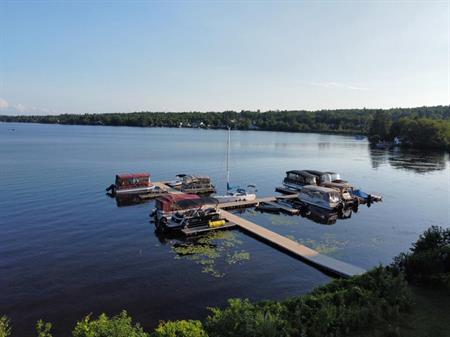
{"type": "Point", "coordinates": [167, 205]}
{"type": "Point", "coordinates": [131, 183]}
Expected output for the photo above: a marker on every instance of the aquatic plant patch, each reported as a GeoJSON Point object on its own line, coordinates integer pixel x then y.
{"type": "Point", "coordinates": [211, 251]}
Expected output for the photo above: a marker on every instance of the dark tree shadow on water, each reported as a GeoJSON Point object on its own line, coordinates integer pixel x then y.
{"type": "Point", "coordinates": [418, 161]}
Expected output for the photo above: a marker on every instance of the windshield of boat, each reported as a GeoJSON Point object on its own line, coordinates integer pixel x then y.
{"type": "Point", "coordinates": [335, 176]}
{"type": "Point", "coordinates": [332, 197]}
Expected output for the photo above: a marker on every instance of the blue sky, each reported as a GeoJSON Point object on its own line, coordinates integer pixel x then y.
{"type": "Point", "coordinates": [113, 56]}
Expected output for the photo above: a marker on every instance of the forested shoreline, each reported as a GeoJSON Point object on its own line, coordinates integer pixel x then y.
{"type": "Point", "coordinates": [421, 127]}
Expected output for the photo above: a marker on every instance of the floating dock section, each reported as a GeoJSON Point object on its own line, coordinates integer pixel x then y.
{"type": "Point", "coordinates": [309, 255]}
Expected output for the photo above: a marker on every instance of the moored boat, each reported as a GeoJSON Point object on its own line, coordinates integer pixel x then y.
{"type": "Point", "coordinates": [345, 191]}
{"type": "Point", "coordinates": [326, 177]}
{"type": "Point", "coordinates": [364, 197]}
{"type": "Point", "coordinates": [131, 183]}
{"type": "Point", "coordinates": [167, 205]}
{"type": "Point", "coordinates": [194, 219]}
{"type": "Point", "coordinates": [197, 184]}
{"type": "Point", "coordinates": [320, 196]}
{"type": "Point", "coordinates": [296, 179]}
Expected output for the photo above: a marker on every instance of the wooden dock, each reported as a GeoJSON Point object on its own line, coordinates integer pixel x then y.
{"type": "Point", "coordinates": [310, 256]}
{"type": "Point", "coordinates": [199, 230]}
{"type": "Point", "coordinates": [163, 186]}
{"type": "Point", "coordinates": [283, 208]}
{"type": "Point", "coordinates": [251, 203]}
{"type": "Point", "coordinates": [296, 249]}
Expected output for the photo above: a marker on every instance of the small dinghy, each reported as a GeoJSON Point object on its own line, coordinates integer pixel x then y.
{"type": "Point", "coordinates": [367, 198]}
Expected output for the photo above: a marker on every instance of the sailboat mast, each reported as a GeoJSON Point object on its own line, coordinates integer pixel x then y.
{"type": "Point", "coordinates": [228, 159]}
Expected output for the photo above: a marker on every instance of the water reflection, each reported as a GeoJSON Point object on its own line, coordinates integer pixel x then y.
{"type": "Point", "coordinates": [325, 217]}
{"type": "Point", "coordinates": [417, 161]}
{"type": "Point", "coordinates": [316, 214]}
{"type": "Point", "coordinates": [127, 200]}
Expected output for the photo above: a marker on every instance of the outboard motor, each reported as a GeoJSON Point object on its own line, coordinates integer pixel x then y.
{"type": "Point", "coordinates": [111, 187]}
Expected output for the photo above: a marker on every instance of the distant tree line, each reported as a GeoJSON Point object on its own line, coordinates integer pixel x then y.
{"type": "Point", "coordinates": [427, 127]}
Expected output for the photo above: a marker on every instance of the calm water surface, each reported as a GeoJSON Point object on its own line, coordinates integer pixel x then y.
{"type": "Point", "coordinates": [67, 250]}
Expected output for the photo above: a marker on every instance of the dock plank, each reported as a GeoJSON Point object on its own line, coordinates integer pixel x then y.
{"type": "Point", "coordinates": [163, 185]}
{"type": "Point", "coordinates": [283, 208]}
{"type": "Point", "coordinates": [198, 230]}
{"type": "Point", "coordinates": [313, 257]}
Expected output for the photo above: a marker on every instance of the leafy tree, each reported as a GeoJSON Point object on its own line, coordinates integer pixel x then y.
{"type": "Point", "coordinates": [117, 326]}
{"type": "Point", "coordinates": [244, 319]}
{"type": "Point", "coordinates": [181, 328]}
{"type": "Point", "coordinates": [428, 261]}
{"type": "Point", "coordinates": [380, 126]}
{"type": "Point", "coordinates": [43, 328]}
{"type": "Point", "coordinates": [5, 327]}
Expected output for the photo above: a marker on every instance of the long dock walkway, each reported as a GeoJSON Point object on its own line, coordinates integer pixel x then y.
{"type": "Point", "coordinates": [309, 255]}
{"type": "Point", "coordinates": [255, 202]}
{"type": "Point", "coordinates": [326, 263]}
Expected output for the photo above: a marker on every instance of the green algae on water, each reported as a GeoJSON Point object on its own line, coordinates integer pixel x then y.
{"type": "Point", "coordinates": [212, 251]}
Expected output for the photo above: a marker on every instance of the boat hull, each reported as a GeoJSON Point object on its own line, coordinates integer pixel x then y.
{"type": "Point", "coordinates": [134, 190]}
{"type": "Point", "coordinates": [292, 186]}
{"type": "Point", "coordinates": [232, 198]}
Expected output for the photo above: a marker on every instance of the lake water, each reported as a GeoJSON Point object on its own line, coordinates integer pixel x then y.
{"type": "Point", "coordinates": [67, 250]}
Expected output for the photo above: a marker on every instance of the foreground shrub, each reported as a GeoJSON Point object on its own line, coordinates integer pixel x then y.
{"type": "Point", "coordinates": [346, 305]}
{"type": "Point", "coordinates": [117, 326]}
{"type": "Point", "coordinates": [43, 329]}
{"type": "Point", "coordinates": [343, 306]}
{"type": "Point", "coordinates": [180, 329]}
{"type": "Point", "coordinates": [5, 328]}
{"type": "Point", "coordinates": [428, 262]}
{"type": "Point", "coordinates": [244, 319]}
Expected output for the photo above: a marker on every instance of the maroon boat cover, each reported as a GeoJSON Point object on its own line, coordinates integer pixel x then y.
{"type": "Point", "coordinates": [124, 176]}
{"type": "Point", "coordinates": [166, 202]}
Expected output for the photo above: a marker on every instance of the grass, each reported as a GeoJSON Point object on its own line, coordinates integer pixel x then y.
{"type": "Point", "coordinates": [428, 317]}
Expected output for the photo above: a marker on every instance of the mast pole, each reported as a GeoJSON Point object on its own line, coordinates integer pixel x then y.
{"type": "Point", "coordinates": [228, 159]}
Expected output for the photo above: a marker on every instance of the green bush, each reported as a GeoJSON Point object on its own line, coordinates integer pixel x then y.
{"type": "Point", "coordinates": [5, 328]}
{"type": "Point", "coordinates": [336, 309]}
{"type": "Point", "coordinates": [346, 305]}
{"type": "Point", "coordinates": [428, 262]}
{"type": "Point", "coordinates": [117, 326]}
{"type": "Point", "coordinates": [182, 328]}
{"type": "Point", "coordinates": [43, 328]}
{"type": "Point", "coordinates": [244, 319]}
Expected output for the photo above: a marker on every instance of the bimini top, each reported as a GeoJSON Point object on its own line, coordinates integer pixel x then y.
{"type": "Point", "coordinates": [125, 176]}
{"type": "Point", "coordinates": [173, 202]}
{"type": "Point", "coordinates": [196, 203]}
{"type": "Point", "coordinates": [332, 184]}
{"type": "Point", "coordinates": [316, 173]}
{"type": "Point", "coordinates": [301, 173]}
{"type": "Point", "coordinates": [320, 189]}
{"type": "Point", "coordinates": [189, 179]}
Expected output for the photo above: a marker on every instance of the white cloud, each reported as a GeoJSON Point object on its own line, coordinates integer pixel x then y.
{"type": "Point", "coordinates": [3, 103]}
{"type": "Point", "coordinates": [337, 85]}
{"type": "Point", "coordinates": [19, 108]}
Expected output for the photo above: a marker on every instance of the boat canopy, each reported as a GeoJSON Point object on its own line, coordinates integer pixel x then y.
{"type": "Point", "coordinates": [339, 185]}
{"type": "Point", "coordinates": [315, 172]}
{"type": "Point", "coordinates": [189, 179]}
{"type": "Point", "coordinates": [132, 179]}
{"type": "Point", "coordinates": [334, 176]}
{"type": "Point", "coordinates": [320, 192]}
{"type": "Point", "coordinates": [302, 177]}
{"type": "Point", "coordinates": [174, 202]}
